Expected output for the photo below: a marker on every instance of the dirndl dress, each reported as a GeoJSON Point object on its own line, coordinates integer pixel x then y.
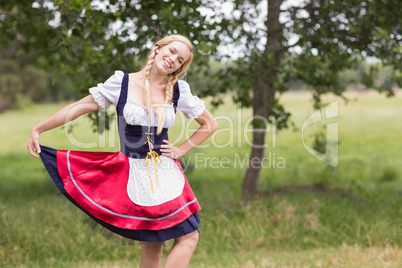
{"type": "Point", "coordinates": [135, 193]}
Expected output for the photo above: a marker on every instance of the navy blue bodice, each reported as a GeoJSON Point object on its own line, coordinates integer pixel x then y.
{"type": "Point", "coordinates": [133, 138]}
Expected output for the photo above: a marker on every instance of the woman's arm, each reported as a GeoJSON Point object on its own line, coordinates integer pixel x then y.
{"type": "Point", "coordinates": [61, 117]}
{"type": "Point", "coordinates": [208, 126]}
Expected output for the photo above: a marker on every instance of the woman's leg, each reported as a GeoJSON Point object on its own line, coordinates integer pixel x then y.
{"type": "Point", "coordinates": [182, 250]}
{"type": "Point", "coordinates": [151, 253]}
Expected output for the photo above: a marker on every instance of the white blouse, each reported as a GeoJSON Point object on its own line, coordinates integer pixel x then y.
{"type": "Point", "coordinates": [136, 113]}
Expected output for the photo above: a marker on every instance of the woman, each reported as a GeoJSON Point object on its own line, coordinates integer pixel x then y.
{"type": "Point", "coordinates": [140, 193]}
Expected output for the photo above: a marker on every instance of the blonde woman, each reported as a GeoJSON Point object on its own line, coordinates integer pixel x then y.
{"type": "Point", "coordinates": [139, 193]}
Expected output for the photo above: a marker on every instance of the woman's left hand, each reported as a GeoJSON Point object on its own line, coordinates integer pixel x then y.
{"type": "Point", "coordinates": [169, 150]}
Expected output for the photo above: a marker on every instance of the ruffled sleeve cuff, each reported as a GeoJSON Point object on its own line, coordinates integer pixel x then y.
{"type": "Point", "coordinates": [109, 92]}
{"type": "Point", "coordinates": [190, 105]}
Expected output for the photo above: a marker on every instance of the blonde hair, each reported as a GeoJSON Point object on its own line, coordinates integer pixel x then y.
{"type": "Point", "coordinates": [172, 77]}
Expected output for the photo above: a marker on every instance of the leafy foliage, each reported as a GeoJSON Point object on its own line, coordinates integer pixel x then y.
{"type": "Point", "coordinates": [333, 35]}
{"type": "Point", "coordinates": [21, 84]}
{"type": "Point", "coordinates": [318, 40]}
{"type": "Point", "coordinates": [90, 39]}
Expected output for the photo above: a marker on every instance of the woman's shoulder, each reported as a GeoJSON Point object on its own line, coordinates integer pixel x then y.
{"type": "Point", "coordinates": [114, 79]}
{"type": "Point", "coordinates": [183, 86]}
{"type": "Point", "coordinates": [118, 74]}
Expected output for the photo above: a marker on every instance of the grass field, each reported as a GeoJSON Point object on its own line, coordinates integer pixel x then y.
{"type": "Point", "coordinates": [353, 220]}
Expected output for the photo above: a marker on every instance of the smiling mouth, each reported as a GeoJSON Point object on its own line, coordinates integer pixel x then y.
{"type": "Point", "coordinates": [167, 64]}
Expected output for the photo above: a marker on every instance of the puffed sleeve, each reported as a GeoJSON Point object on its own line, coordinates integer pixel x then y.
{"type": "Point", "coordinates": [190, 105]}
{"type": "Point", "coordinates": [106, 93]}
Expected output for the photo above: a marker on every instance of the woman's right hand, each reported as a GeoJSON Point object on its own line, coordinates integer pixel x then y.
{"type": "Point", "coordinates": [33, 143]}
{"type": "Point", "coordinates": [64, 115]}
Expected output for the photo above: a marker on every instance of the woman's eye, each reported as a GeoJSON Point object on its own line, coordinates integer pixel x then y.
{"type": "Point", "coordinates": [171, 50]}
{"type": "Point", "coordinates": [180, 61]}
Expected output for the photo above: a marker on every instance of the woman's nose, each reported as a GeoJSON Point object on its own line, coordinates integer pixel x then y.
{"type": "Point", "coordinates": [173, 58]}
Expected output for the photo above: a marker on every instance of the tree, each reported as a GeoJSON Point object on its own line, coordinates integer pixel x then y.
{"type": "Point", "coordinates": [89, 40]}
{"type": "Point", "coordinates": [312, 43]}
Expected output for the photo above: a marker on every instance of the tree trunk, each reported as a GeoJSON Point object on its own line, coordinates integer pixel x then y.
{"type": "Point", "coordinates": [260, 106]}
{"type": "Point", "coordinates": [264, 94]}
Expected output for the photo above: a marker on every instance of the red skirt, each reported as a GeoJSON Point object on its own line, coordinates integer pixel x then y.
{"type": "Point", "coordinates": [97, 183]}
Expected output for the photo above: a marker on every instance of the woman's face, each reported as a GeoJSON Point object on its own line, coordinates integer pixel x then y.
{"type": "Point", "coordinates": [171, 57]}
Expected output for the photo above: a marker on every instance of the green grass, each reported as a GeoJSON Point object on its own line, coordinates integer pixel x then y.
{"type": "Point", "coordinates": [354, 222]}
